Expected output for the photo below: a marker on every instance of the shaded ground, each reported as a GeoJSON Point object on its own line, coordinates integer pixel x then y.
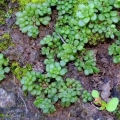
{"type": "Point", "coordinates": [26, 50]}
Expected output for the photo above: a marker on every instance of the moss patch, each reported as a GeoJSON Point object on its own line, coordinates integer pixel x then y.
{"type": "Point", "coordinates": [96, 38]}
{"type": "Point", "coordinates": [5, 41]}
{"type": "Point", "coordinates": [19, 71]}
{"type": "Point", "coordinates": [3, 5]}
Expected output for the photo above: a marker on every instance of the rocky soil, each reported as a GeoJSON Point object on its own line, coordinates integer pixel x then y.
{"type": "Point", "coordinates": [16, 105]}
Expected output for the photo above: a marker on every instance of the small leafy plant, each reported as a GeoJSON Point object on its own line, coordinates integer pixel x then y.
{"type": "Point", "coordinates": [110, 106]}
{"type": "Point", "coordinates": [85, 14]}
{"type": "Point", "coordinates": [88, 63]}
{"type": "Point", "coordinates": [45, 104]}
{"type": "Point", "coordinates": [55, 69]}
{"type": "Point", "coordinates": [86, 96]}
{"type": "Point", "coordinates": [34, 82]}
{"type": "Point", "coordinates": [69, 92]}
{"type": "Point", "coordinates": [114, 50]}
{"type": "Point", "coordinates": [3, 66]}
{"type": "Point", "coordinates": [33, 16]}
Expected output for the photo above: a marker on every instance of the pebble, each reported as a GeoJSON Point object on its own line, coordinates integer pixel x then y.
{"type": "Point", "coordinates": [106, 91]}
{"type": "Point", "coordinates": [104, 60]}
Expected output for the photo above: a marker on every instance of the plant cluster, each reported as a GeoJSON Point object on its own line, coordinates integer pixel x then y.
{"type": "Point", "coordinates": [48, 91]}
{"type": "Point", "coordinates": [34, 82]}
{"type": "Point", "coordinates": [33, 16]}
{"type": "Point", "coordinates": [110, 106]}
{"type": "Point", "coordinates": [45, 104]}
{"type": "Point", "coordinates": [3, 66]}
{"type": "Point", "coordinates": [86, 14]}
{"type": "Point", "coordinates": [65, 6]}
{"type": "Point", "coordinates": [86, 96]}
{"type": "Point", "coordinates": [51, 43]}
{"type": "Point", "coordinates": [114, 50]}
{"type": "Point", "coordinates": [55, 70]}
{"type": "Point", "coordinates": [87, 63]}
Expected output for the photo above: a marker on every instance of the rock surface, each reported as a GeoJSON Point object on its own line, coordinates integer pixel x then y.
{"type": "Point", "coordinates": [106, 91]}
{"type": "Point", "coordinates": [7, 100]}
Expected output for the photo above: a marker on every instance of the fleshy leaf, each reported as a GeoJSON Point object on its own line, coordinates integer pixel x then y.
{"type": "Point", "coordinates": [112, 104]}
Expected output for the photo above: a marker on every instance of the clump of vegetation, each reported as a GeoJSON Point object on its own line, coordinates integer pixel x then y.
{"type": "Point", "coordinates": [34, 82]}
{"type": "Point", "coordinates": [55, 70]}
{"type": "Point", "coordinates": [96, 38]}
{"type": "Point", "coordinates": [2, 17]}
{"type": "Point", "coordinates": [114, 50]}
{"type": "Point", "coordinates": [86, 96]}
{"type": "Point", "coordinates": [2, 12]}
{"type": "Point", "coordinates": [87, 63]}
{"type": "Point", "coordinates": [19, 71]}
{"type": "Point", "coordinates": [5, 41]}
{"type": "Point", "coordinates": [110, 106]}
{"type": "Point", "coordinates": [52, 90]}
{"type": "Point", "coordinates": [3, 66]}
{"type": "Point", "coordinates": [45, 104]}
{"type": "Point", "coordinates": [85, 14]}
{"type": "Point", "coordinates": [33, 16]}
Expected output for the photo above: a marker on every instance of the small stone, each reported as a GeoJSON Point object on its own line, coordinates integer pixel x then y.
{"type": "Point", "coordinates": [104, 60]}
{"type": "Point", "coordinates": [18, 111]}
{"type": "Point", "coordinates": [110, 117]}
{"type": "Point", "coordinates": [39, 67]}
{"type": "Point", "coordinates": [106, 91]}
{"type": "Point", "coordinates": [3, 94]}
{"type": "Point", "coordinates": [7, 100]}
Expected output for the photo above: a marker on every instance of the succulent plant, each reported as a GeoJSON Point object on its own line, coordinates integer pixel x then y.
{"type": "Point", "coordinates": [45, 104]}
{"type": "Point", "coordinates": [114, 50]}
{"type": "Point", "coordinates": [3, 66]}
{"type": "Point", "coordinates": [88, 63]}
{"type": "Point", "coordinates": [33, 16]}
{"type": "Point", "coordinates": [86, 13]}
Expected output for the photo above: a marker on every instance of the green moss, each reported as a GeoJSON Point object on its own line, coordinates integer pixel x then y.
{"type": "Point", "coordinates": [3, 5]}
{"type": "Point", "coordinates": [96, 38]}
{"type": "Point", "coordinates": [2, 21]}
{"type": "Point", "coordinates": [23, 3]}
{"type": "Point", "coordinates": [5, 41]}
{"type": "Point", "coordinates": [2, 17]}
{"type": "Point", "coordinates": [19, 71]}
{"type": "Point", "coordinates": [4, 116]}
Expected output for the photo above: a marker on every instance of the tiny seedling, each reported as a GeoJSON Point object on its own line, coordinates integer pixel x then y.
{"type": "Point", "coordinates": [110, 106]}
